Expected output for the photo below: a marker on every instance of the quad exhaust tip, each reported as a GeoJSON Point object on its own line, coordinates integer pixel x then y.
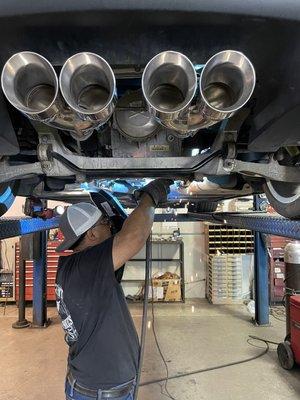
{"type": "Point", "coordinates": [169, 82]}
{"type": "Point", "coordinates": [88, 85]}
{"type": "Point", "coordinates": [169, 86]}
{"type": "Point", "coordinates": [85, 101]}
{"type": "Point", "coordinates": [84, 97]}
{"type": "Point", "coordinates": [227, 81]}
{"type": "Point", "coordinates": [30, 84]}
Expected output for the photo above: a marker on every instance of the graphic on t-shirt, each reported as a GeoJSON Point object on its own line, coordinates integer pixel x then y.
{"type": "Point", "coordinates": [67, 322]}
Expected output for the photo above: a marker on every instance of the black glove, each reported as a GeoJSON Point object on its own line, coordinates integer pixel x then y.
{"type": "Point", "coordinates": [158, 190]}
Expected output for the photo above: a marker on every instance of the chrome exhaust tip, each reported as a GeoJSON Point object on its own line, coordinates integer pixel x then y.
{"type": "Point", "coordinates": [30, 84]}
{"type": "Point", "coordinates": [226, 83]}
{"type": "Point", "coordinates": [88, 85]}
{"type": "Point", "coordinates": [169, 83]}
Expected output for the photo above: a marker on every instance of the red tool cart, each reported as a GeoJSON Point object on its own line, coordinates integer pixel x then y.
{"type": "Point", "coordinates": [289, 351]}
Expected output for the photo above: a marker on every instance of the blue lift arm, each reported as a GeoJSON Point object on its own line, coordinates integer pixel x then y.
{"type": "Point", "coordinates": [11, 227]}
{"type": "Point", "coordinates": [256, 221]}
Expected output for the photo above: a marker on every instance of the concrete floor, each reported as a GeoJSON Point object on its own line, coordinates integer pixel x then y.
{"type": "Point", "coordinates": [192, 336]}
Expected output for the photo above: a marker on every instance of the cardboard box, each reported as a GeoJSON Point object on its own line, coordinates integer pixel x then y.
{"type": "Point", "coordinates": [171, 289]}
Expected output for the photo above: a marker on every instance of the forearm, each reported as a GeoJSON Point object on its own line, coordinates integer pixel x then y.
{"type": "Point", "coordinates": [134, 233]}
{"type": "Point", "coordinates": [140, 221]}
{"type": "Point", "coordinates": [137, 227]}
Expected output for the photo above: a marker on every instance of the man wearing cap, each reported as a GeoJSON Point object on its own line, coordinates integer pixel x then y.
{"type": "Point", "coordinates": [103, 343]}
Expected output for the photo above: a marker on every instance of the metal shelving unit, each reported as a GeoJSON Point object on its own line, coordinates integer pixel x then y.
{"type": "Point", "coordinates": [179, 260]}
{"type": "Point", "coordinates": [228, 240]}
{"type": "Point", "coordinates": [225, 246]}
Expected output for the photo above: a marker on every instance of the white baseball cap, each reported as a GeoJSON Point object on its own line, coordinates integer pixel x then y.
{"type": "Point", "coordinates": [75, 221]}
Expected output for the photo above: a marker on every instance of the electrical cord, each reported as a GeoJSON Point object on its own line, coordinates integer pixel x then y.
{"type": "Point", "coordinates": [263, 340]}
{"type": "Point", "coordinates": [277, 313]}
{"type": "Point", "coordinates": [145, 314]}
{"type": "Point", "coordinates": [252, 337]}
{"type": "Point", "coordinates": [155, 334]}
{"type": "Point", "coordinates": [200, 371]}
{"type": "Point", "coordinates": [177, 376]}
{"type": "Point", "coordinates": [193, 286]}
{"type": "Point", "coordinates": [168, 377]}
{"type": "Point", "coordinates": [195, 372]}
{"type": "Point", "coordinates": [196, 281]}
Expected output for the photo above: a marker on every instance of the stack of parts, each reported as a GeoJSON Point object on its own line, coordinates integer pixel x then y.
{"type": "Point", "coordinates": [225, 279]}
{"type": "Point", "coordinates": [6, 286]}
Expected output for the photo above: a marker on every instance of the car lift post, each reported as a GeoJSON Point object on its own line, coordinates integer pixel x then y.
{"type": "Point", "coordinates": [261, 274]}
{"type": "Point", "coordinates": [261, 280]}
{"type": "Point", "coordinates": [23, 227]}
{"type": "Point", "coordinates": [24, 249]}
{"type": "Point", "coordinates": [39, 304]}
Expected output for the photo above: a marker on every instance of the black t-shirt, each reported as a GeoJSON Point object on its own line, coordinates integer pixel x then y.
{"type": "Point", "coordinates": [103, 343]}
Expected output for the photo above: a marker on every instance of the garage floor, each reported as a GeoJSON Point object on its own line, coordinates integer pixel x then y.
{"type": "Point", "coordinates": [193, 336]}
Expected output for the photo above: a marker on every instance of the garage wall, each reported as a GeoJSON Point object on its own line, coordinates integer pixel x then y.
{"type": "Point", "coordinates": [194, 258]}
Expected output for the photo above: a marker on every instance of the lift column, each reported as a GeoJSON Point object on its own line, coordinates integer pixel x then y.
{"type": "Point", "coordinates": [39, 303]}
{"type": "Point", "coordinates": [261, 272]}
{"type": "Point", "coordinates": [39, 227]}
{"type": "Point", "coordinates": [261, 279]}
{"type": "Point", "coordinates": [26, 253]}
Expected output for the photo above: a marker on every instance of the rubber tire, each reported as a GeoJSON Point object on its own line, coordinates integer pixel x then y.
{"type": "Point", "coordinates": [203, 206]}
{"type": "Point", "coordinates": [285, 355]}
{"type": "Point", "coordinates": [289, 209]}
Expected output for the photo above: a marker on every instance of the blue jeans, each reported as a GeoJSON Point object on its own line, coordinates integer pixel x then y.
{"type": "Point", "coordinates": [79, 396]}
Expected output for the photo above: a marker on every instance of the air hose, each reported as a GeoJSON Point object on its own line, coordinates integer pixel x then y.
{"type": "Point", "coordinates": [145, 316]}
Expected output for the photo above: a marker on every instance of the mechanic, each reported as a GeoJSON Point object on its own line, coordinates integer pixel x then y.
{"type": "Point", "coordinates": [103, 343]}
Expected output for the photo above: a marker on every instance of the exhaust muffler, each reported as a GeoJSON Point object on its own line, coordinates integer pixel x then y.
{"type": "Point", "coordinates": [30, 84]}
{"type": "Point", "coordinates": [169, 85]}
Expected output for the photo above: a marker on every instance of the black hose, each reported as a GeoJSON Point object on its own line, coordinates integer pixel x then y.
{"type": "Point", "coordinates": [200, 371]}
{"type": "Point", "coordinates": [144, 320]}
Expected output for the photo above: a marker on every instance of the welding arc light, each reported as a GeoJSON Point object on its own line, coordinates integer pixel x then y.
{"type": "Point", "coordinates": [59, 210]}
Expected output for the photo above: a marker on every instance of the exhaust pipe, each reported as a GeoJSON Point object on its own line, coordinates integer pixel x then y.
{"type": "Point", "coordinates": [169, 83]}
{"type": "Point", "coordinates": [226, 84]}
{"type": "Point", "coordinates": [88, 86]}
{"type": "Point", "coordinates": [30, 84]}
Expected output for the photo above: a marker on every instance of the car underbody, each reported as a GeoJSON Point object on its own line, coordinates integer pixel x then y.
{"type": "Point", "coordinates": [202, 95]}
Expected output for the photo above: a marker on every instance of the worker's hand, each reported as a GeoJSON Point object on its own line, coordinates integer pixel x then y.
{"type": "Point", "coordinates": [158, 190]}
